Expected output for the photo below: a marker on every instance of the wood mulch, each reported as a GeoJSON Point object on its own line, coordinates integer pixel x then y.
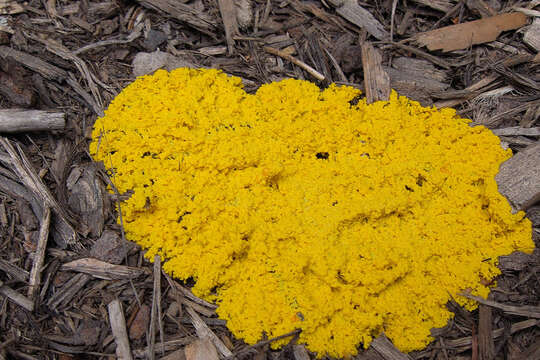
{"type": "Point", "coordinates": [71, 287]}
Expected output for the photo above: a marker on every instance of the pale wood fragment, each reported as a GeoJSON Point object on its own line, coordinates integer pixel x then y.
{"type": "Point", "coordinates": [167, 346]}
{"type": "Point", "coordinates": [519, 178]}
{"type": "Point", "coordinates": [531, 36]}
{"type": "Point", "coordinates": [200, 20]}
{"type": "Point", "coordinates": [10, 7]}
{"type": "Point", "coordinates": [300, 352]}
{"type": "Point", "coordinates": [517, 131]}
{"type": "Point", "coordinates": [16, 298]}
{"type": "Point", "coordinates": [201, 349]}
{"type": "Point", "coordinates": [118, 326]}
{"type": "Point", "coordinates": [204, 332]}
{"type": "Point", "coordinates": [20, 120]}
{"type": "Point", "coordinates": [376, 80]}
{"type": "Point", "coordinates": [441, 5]}
{"type": "Point", "coordinates": [39, 255]}
{"type": "Point", "coordinates": [230, 23]}
{"type": "Point", "coordinates": [462, 36]}
{"type": "Point", "coordinates": [155, 314]}
{"type": "Point", "coordinates": [102, 270]}
{"type": "Point", "coordinates": [34, 63]}
{"type": "Point", "coordinates": [359, 16]}
{"type": "Point", "coordinates": [387, 350]}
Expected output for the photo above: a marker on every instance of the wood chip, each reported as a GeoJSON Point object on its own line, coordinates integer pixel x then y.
{"type": "Point", "coordinates": [201, 349]}
{"type": "Point", "coordinates": [102, 270]}
{"type": "Point", "coordinates": [47, 70]}
{"type": "Point", "coordinates": [441, 5]}
{"type": "Point", "coordinates": [205, 333]}
{"type": "Point", "coordinates": [68, 291]}
{"type": "Point", "coordinates": [462, 36]}
{"type": "Point", "coordinates": [359, 16]}
{"type": "Point", "coordinates": [376, 80]}
{"type": "Point", "coordinates": [10, 7]}
{"type": "Point", "coordinates": [525, 310]}
{"type": "Point", "coordinates": [118, 326]}
{"type": "Point", "coordinates": [20, 120]}
{"type": "Point", "coordinates": [387, 350]}
{"type": "Point", "coordinates": [519, 178]}
{"type": "Point", "coordinates": [13, 271]}
{"type": "Point", "coordinates": [531, 36]}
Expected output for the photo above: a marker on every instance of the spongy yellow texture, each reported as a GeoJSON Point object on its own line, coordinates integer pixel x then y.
{"type": "Point", "coordinates": [294, 209]}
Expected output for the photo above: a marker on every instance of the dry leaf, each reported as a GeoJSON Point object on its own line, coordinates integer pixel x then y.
{"type": "Point", "coordinates": [461, 36]}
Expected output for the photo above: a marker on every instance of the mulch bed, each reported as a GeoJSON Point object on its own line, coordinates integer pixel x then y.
{"type": "Point", "coordinates": [74, 57]}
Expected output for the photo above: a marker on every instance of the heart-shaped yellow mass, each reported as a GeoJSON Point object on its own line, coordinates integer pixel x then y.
{"type": "Point", "coordinates": [295, 208]}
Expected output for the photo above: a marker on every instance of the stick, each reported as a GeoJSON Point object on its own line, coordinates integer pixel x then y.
{"type": "Point", "coordinates": [17, 298]}
{"type": "Point", "coordinates": [19, 120]}
{"type": "Point", "coordinates": [39, 255]}
{"type": "Point", "coordinates": [317, 75]}
{"type": "Point", "coordinates": [204, 332]}
{"type": "Point", "coordinates": [118, 326]}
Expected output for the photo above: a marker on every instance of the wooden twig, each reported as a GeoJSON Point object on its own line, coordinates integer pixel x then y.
{"type": "Point", "coordinates": [16, 298]}
{"type": "Point", "coordinates": [39, 255]}
{"type": "Point", "coordinates": [525, 310]}
{"type": "Point", "coordinates": [517, 131]}
{"type": "Point", "coordinates": [376, 80]}
{"type": "Point", "coordinates": [204, 332]}
{"type": "Point", "coordinates": [118, 326]}
{"type": "Point", "coordinates": [68, 291]}
{"type": "Point", "coordinates": [47, 70]}
{"type": "Point", "coordinates": [20, 120]}
{"type": "Point", "coordinates": [155, 314]}
{"type": "Point", "coordinates": [317, 75]}
{"type": "Point", "coordinates": [486, 345]}
{"type": "Point", "coordinates": [14, 271]}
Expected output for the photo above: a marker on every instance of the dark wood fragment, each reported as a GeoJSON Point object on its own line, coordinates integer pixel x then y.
{"type": "Point", "coordinates": [14, 271]}
{"type": "Point", "coordinates": [486, 345]}
{"type": "Point", "coordinates": [228, 16]}
{"type": "Point", "coordinates": [33, 63]}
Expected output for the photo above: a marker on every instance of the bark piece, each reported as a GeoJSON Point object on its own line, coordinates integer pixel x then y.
{"type": "Point", "coordinates": [531, 36]}
{"type": "Point", "coordinates": [524, 310]}
{"type": "Point", "coordinates": [16, 297]}
{"type": "Point", "coordinates": [68, 291]}
{"type": "Point", "coordinates": [376, 80]}
{"type": "Point", "coordinates": [14, 87]}
{"type": "Point", "coordinates": [486, 345]}
{"type": "Point", "coordinates": [14, 271]}
{"type": "Point", "coordinates": [387, 350]}
{"type": "Point", "coordinates": [519, 178]}
{"type": "Point", "coordinates": [201, 349]}
{"type": "Point", "coordinates": [118, 326]}
{"type": "Point", "coordinates": [517, 131]}
{"type": "Point", "coordinates": [110, 248]}
{"type": "Point", "coordinates": [244, 13]}
{"type": "Point", "coordinates": [139, 325]}
{"type": "Point", "coordinates": [417, 79]}
{"type": "Point", "coordinates": [359, 16]}
{"type": "Point", "coordinates": [47, 70]}
{"type": "Point", "coordinates": [533, 213]}
{"type": "Point", "coordinates": [86, 197]}
{"type": "Point", "coordinates": [517, 261]}
{"type": "Point", "coordinates": [462, 36]}
{"type": "Point", "coordinates": [20, 120]}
